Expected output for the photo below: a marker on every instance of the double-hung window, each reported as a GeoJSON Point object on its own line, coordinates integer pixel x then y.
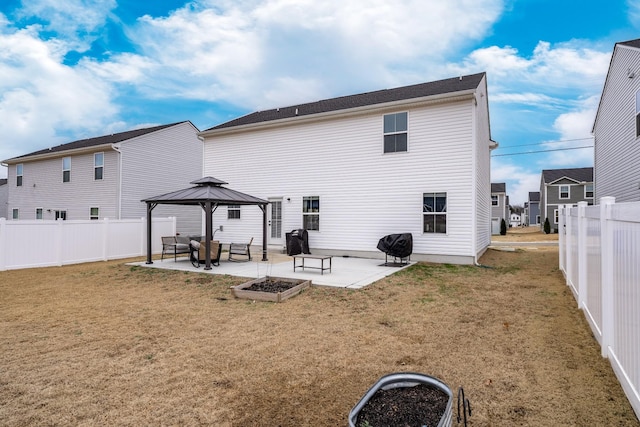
{"type": "Point", "coordinates": [311, 213]}
{"type": "Point", "coordinates": [38, 213]}
{"type": "Point", "coordinates": [434, 212]}
{"type": "Point", "coordinates": [233, 212]}
{"type": "Point", "coordinates": [94, 213]}
{"type": "Point", "coordinates": [395, 132]}
{"type": "Point", "coordinates": [98, 166]}
{"type": "Point", "coordinates": [588, 191]}
{"type": "Point", "coordinates": [564, 191]}
{"type": "Point", "coordinates": [19, 175]}
{"type": "Point", "coordinates": [15, 213]}
{"type": "Point", "coordinates": [66, 169]}
{"type": "Point", "coordinates": [494, 200]}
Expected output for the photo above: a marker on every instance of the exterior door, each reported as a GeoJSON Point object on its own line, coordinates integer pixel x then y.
{"type": "Point", "coordinates": [275, 222]}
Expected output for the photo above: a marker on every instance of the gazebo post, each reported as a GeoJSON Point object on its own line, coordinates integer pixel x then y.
{"type": "Point", "coordinates": [208, 232]}
{"type": "Point", "coordinates": [264, 232]}
{"type": "Point", "coordinates": [150, 207]}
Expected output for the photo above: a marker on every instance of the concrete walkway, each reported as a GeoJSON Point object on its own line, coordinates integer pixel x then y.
{"type": "Point", "coordinates": [346, 272]}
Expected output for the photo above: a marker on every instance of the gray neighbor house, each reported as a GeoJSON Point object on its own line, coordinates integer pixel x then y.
{"type": "Point", "coordinates": [616, 129]}
{"type": "Point", "coordinates": [533, 208]}
{"type": "Point", "coordinates": [108, 176]}
{"type": "Point", "coordinates": [563, 187]}
{"type": "Point", "coordinates": [499, 206]}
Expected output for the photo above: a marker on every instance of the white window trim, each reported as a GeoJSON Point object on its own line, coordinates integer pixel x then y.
{"type": "Point", "coordinates": [555, 216]}
{"type": "Point", "coordinates": [311, 213]}
{"type": "Point", "coordinates": [20, 175]}
{"type": "Point", "coordinates": [497, 200]}
{"type": "Point", "coordinates": [560, 192]}
{"type": "Point", "coordinates": [91, 216]}
{"type": "Point", "coordinates": [15, 213]}
{"type": "Point", "coordinates": [395, 133]}
{"type": "Point", "coordinates": [96, 166]}
{"type": "Point", "coordinates": [41, 213]}
{"type": "Point", "coordinates": [445, 213]}
{"type": "Point", "coordinates": [65, 170]}
{"type": "Point", "coordinates": [585, 192]}
{"type": "Point", "coordinates": [234, 208]}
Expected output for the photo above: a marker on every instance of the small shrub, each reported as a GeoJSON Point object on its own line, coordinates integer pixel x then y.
{"type": "Point", "coordinates": [503, 227]}
{"type": "Point", "coordinates": [547, 226]}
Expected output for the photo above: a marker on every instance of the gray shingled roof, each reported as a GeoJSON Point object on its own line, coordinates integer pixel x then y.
{"type": "Point", "coordinates": [206, 189]}
{"type": "Point", "coordinates": [576, 174]}
{"type": "Point", "coordinates": [451, 85]}
{"type": "Point", "coordinates": [534, 196]}
{"type": "Point", "coordinates": [499, 187]}
{"type": "Point", "coordinates": [631, 43]}
{"type": "Point", "coordinates": [100, 140]}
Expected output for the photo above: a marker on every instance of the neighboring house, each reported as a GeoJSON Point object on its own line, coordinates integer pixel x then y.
{"type": "Point", "coordinates": [4, 198]}
{"type": "Point", "coordinates": [499, 206]}
{"type": "Point", "coordinates": [108, 176]}
{"type": "Point", "coordinates": [515, 220]}
{"type": "Point", "coordinates": [533, 208]}
{"type": "Point", "coordinates": [616, 128]}
{"type": "Point", "coordinates": [564, 187]}
{"type": "Point", "coordinates": [353, 169]}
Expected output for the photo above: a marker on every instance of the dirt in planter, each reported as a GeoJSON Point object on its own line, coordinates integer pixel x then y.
{"type": "Point", "coordinates": [421, 405]}
{"type": "Point", "coordinates": [269, 285]}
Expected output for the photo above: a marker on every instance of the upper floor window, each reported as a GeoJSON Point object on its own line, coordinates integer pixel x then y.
{"type": "Point", "coordinates": [564, 191]}
{"type": "Point", "coordinates": [638, 113]}
{"type": "Point", "coordinates": [434, 212]}
{"type": "Point", "coordinates": [588, 191]}
{"type": "Point", "coordinates": [311, 213]}
{"type": "Point", "coordinates": [38, 213]}
{"type": "Point", "coordinates": [233, 212]}
{"type": "Point", "coordinates": [395, 132]}
{"type": "Point", "coordinates": [98, 166]}
{"type": "Point", "coordinates": [494, 200]}
{"type": "Point", "coordinates": [19, 175]}
{"type": "Point", "coordinates": [66, 169]}
{"type": "Point", "coordinates": [94, 213]}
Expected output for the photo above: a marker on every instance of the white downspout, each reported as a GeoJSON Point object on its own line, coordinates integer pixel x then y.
{"type": "Point", "coordinates": [116, 148]}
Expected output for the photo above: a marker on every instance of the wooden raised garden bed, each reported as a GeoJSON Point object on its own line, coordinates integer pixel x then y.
{"type": "Point", "coordinates": [274, 289]}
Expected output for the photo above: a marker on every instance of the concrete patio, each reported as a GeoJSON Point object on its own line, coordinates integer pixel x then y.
{"type": "Point", "coordinates": [346, 272]}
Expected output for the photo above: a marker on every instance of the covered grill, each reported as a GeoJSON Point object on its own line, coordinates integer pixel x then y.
{"type": "Point", "coordinates": [397, 246]}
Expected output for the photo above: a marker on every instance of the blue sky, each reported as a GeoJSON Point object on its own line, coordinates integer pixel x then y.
{"type": "Point", "coordinates": [72, 69]}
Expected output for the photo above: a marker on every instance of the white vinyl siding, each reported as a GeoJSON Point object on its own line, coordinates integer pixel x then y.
{"type": "Point", "coordinates": [360, 203]}
{"type": "Point", "coordinates": [177, 160]}
{"type": "Point", "coordinates": [616, 146]}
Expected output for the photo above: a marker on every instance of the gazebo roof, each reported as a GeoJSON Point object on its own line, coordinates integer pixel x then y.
{"type": "Point", "coordinates": [207, 189]}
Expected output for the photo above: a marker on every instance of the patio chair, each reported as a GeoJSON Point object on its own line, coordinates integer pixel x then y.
{"type": "Point", "coordinates": [170, 244]}
{"type": "Point", "coordinates": [199, 253]}
{"type": "Point", "coordinates": [240, 249]}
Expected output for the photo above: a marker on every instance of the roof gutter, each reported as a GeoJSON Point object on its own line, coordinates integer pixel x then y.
{"type": "Point", "coordinates": [348, 112]}
{"type": "Point", "coordinates": [56, 154]}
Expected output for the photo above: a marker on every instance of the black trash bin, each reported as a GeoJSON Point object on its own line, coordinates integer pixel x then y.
{"type": "Point", "coordinates": [297, 242]}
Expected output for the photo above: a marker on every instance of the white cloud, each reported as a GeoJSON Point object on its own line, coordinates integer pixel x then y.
{"type": "Point", "coordinates": [40, 98]}
{"type": "Point", "coordinates": [243, 51]}
{"type": "Point", "coordinates": [74, 20]}
{"type": "Point", "coordinates": [519, 182]}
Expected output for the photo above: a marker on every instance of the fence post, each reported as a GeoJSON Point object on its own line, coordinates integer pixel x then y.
{"type": "Point", "coordinates": [561, 241]}
{"type": "Point", "coordinates": [607, 257]}
{"type": "Point", "coordinates": [59, 236]}
{"type": "Point", "coordinates": [581, 244]}
{"type": "Point", "coordinates": [3, 244]}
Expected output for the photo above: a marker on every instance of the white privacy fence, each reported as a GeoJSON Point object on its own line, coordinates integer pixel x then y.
{"type": "Point", "coordinates": [600, 259]}
{"type": "Point", "coordinates": [39, 243]}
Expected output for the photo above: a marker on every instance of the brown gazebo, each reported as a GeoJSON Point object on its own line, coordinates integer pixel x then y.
{"type": "Point", "coordinates": [208, 193]}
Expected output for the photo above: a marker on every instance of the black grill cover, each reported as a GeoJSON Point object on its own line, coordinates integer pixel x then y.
{"type": "Point", "coordinates": [397, 245]}
{"type": "Point", "coordinates": [298, 242]}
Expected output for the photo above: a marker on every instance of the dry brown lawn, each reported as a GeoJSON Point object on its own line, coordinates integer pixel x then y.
{"type": "Point", "coordinates": [111, 344]}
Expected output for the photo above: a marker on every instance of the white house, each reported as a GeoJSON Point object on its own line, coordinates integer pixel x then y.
{"type": "Point", "coordinates": [353, 169]}
{"type": "Point", "coordinates": [108, 176]}
{"type": "Point", "coordinates": [515, 220]}
{"type": "Point", "coordinates": [616, 128]}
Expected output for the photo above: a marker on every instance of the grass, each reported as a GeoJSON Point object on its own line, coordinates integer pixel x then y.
{"type": "Point", "coordinates": [110, 344]}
